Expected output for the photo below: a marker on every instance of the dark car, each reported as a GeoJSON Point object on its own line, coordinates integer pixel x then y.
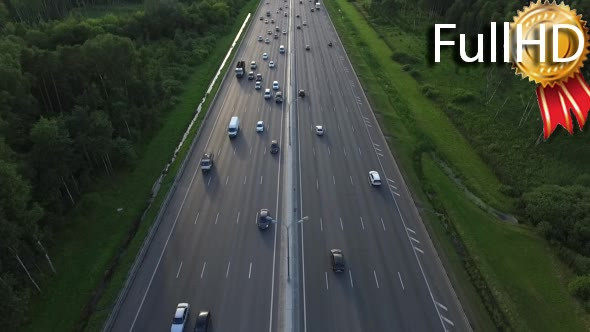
{"type": "Point", "coordinates": [203, 321]}
{"type": "Point", "coordinates": [279, 97]}
{"type": "Point", "coordinates": [301, 93]}
{"type": "Point", "coordinates": [258, 77]}
{"type": "Point", "coordinates": [312, 10]}
{"type": "Point", "coordinates": [264, 220]}
{"type": "Point", "coordinates": [330, 44]}
{"type": "Point", "coordinates": [299, 27]}
{"type": "Point", "coordinates": [337, 260]}
{"type": "Point", "coordinates": [251, 75]}
{"type": "Point", "coordinates": [274, 147]}
{"type": "Point", "coordinates": [307, 48]}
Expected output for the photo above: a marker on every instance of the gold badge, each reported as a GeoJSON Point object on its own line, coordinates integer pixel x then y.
{"type": "Point", "coordinates": [548, 73]}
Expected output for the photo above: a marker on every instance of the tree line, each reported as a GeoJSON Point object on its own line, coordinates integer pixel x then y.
{"type": "Point", "coordinates": [77, 96]}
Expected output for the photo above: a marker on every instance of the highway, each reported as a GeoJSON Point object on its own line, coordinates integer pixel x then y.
{"type": "Point", "coordinates": [208, 251]}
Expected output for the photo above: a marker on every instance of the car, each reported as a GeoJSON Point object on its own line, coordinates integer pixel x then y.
{"type": "Point", "coordinates": [301, 93]}
{"type": "Point", "coordinates": [274, 147]}
{"type": "Point", "coordinates": [265, 21]}
{"type": "Point", "coordinates": [279, 97]}
{"type": "Point", "coordinates": [261, 18]}
{"type": "Point", "coordinates": [264, 56]}
{"type": "Point", "coordinates": [260, 127]}
{"type": "Point", "coordinates": [280, 8]}
{"type": "Point", "coordinates": [307, 47]}
{"type": "Point", "coordinates": [304, 23]}
{"type": "Point", "coordinates": [258, 85]}
{"type": "Point", "coordinates": [285, 14]}
{"type": "Point", "coordinates": [312, 10]}
{"type": "Point", "coordinates": [259, 38]}
{"type": "Point", "coordinates": [286, 6]}
{"type": "Point", "coordinates": [298, 27]}
{"type": "Point", "coordinates": [203, 321]}
{"type": "Point", "coordinates": [272, 21]}
{"type": "Point", "coordinates": [277, 29]}
{"type": "Point", "coordinates": [276, 36]}
{"type": "Point", "coordinates": [207, 162]}
{"type": "Point", "coordinates": [374, 178]}
{"type": "Point", "coordinates": [284, 32]}
{"type": "Point", "coordinates": [250, 75]}
{"type": "Point", "coordinates": [297, 15]}
{"type": "Point", "coordinates": [267, 94]}
{"type": "Point", "coordinates": [180, 317]}
{"type": "Point", "coordinates": [319, 130]}
{"type": "Point", "coordinates": [271, 64]}
{"type": "Point", "coordinates": [337, 259]}
{"type": "Point", "coordinates": [275, 85]}
{"type": "Point", "coordinates": [300, 2]}
{"type": "Point", "coordinates": [253, 65]}
{"type": "Point", "coordinates": [282, 49]}
{"type": "Point", "coordinates": [265, 219]}
{"type": "Point", "coordinates": [267, 41]}
{"type": "Point", "coordinates": [258, 77]}
{"type": "Point", "coordinates": [330, 44]}
{"type": "Point", "coordinates": [268, 32]}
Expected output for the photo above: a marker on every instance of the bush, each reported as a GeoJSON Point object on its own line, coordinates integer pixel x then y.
{"type": "Point", "coordinates": [463, 96]}
{"type": "Point", "coordinates": [404, 58]}
{"type": "Point", "coordinates": [580, 288]}
{"type": "Point", "coordinates": [430, 92]}
{"type": "Point", "coordinates": [416, 75]}
{"type": "Point", "coordinates": [406, 67]}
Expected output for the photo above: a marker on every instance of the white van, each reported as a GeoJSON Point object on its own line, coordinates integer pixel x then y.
{"type": "Point", "coordinates": [282, 49]}
{"type": "Point", "coordinates": [234, 127]}
{"type": "Point", "coordinates": [317, 6]}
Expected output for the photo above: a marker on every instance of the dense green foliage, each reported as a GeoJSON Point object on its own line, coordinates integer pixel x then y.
{"type": "Point", "coordinates": [78, 97]}
{"type": "Point", "coordinates": [498, 113]}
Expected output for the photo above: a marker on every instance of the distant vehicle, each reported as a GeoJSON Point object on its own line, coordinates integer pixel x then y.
{"type": "Point", "coordinates": [330, 44]}
{"type": "Point", "coordinates": [284, 32]}
{"type": "Point", "coordinates": [297, 15]}
{"type": "Point", "coordinates": [277, 29]}
{"type": "Point", "coordinates": [274, 147]}
{"type": "Point", "coordinates": [304, 23]}
{"type": "Point", "coordinates": [180, 317]}
{"type": "Point", "coordinates": [300, 2]}
{"type": "Point", "coordinates": [312, 10]}
{"type": "Point", "coordinates": [285, 14]}
{"type": "Point", "coordinates": [374, 178]}
{"type": "Point", "coordinates": [240, 68]}
{"type": "Point", "coordinates": [264, 56]}
{"type": "Point", "coordinates": [260, 126]}
{"type": "Point", "coordinates": [203, 321]}
{"type": "Point", "coordinates": [258, 77]}
{"type": "Point", "coordinates": [279, 97]}
{"type": "Point", "coordinates": [258, 85]}
{"type": "Point", "coordinates": [268, 32]}
{"type": "Point", "coordinates": [234, 127]}
{"type": "Point", "coordinates": [261, 18]}
{"type": "Point", "coordinates": [264, 220]}
{"type": "Point", "coordinates": [299, 27]}
{"type": "Point", "coordinates": [307, 48]}
{"type": "Point", "coordinates": [272, 21]}
{"type": "Point", "coordinates": [271, 64]}
{"type": "Point", "coordinates": [319, 130]}
{"type": "Point", "coordinates": [267, 41]}
{"type": "Point", "coordinates": [276, 36]}
{"type": "Point", "coordinates": [301, 93]}
{"type": "Point", "coordinates": [275, 85]}
{"type": "Point", "coordinates": [267, 94]}
{"type": "Point", "coordinates": [282, 49]}
{"type": "Point", "coordinates": [317, 6]}
{"type": "Point", "coordinates": [250, 75]}
{"type": "Point", "coordinates": [207, 162]}
{"type": "Point", "coordinates": [259, 38]}
{"type": "Point", "coordinates": [253, 65]}
{"type": "Point", "coordinates": [265, 21]}
{"type": "Point", "coordinates": [337, 259]}
{"type": "Point", "coordinates": [268, 14]}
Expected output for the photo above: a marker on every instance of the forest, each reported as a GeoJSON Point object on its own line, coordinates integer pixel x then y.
{"type": "Point", "coordinates": [549, 181]}
{"type": "Point", "coordinates": [78, 98]}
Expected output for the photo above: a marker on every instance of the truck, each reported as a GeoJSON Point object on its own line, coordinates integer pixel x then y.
{"type": "Point", "coordinates": [207, 162]}
{"type": "Point", "coordinates": [240, 68]}
{"type": "Point", "coordinates": [317, 6]}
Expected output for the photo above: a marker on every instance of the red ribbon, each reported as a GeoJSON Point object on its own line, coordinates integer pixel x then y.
{"type": "Point", "coordinates": [557, 101]}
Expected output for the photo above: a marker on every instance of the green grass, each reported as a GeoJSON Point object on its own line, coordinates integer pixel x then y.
{"type": "Point", "coordinates": [519, 267]}
{"type": "Point", "coordinates": [410, 120]}
{"type": "Point", "coordinates": [83, 251]}
{"type": "Point", "coordinates": [426, 115]}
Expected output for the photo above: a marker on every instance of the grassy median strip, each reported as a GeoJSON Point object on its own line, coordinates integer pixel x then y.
{"type": "Point", "coordinates": [517, 267]}
{"type": "Point", "coordinates": [84, 251]}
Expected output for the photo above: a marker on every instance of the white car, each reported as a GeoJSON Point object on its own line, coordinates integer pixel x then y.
{"type": "Point", "coordinates": [267, 94]}
{"type": "Point", "coordinates": [304, 23]}
{"type": "Point", "coordinates": [374, 178]}
{"type": "Point", "coordinates": [265, 21]}
{"type": "Point", "coordinates": [180, 317]}
{"type": "Point", "coordinates": [264, 56]}
{"type": "Point", "coordinates": [259, 38]}
{"type": "Point", "coordinates": [267, 40]}
{"type": "Point", "coordinates": [258, 85]}
{"type": "Point", "coordinates": [259, 126]}
{"type": "Point", "coordinates": [319, 130]}
{"type": "Point", "coordinates": [284, 32]}
{"type": "Point", "coordinates": [282, 49]}
{"type": "Point", "coordinates": [253, 65]}
{"type": "Point", "coordinates": [271, 64]}
{"type": "Point", "coordinates": [275, 85]}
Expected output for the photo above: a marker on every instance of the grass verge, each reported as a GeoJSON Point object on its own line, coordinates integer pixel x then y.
{"type": "Point", "coordinates": [413, 124]}
{"type": "Point", "coordinates": [83, 251]}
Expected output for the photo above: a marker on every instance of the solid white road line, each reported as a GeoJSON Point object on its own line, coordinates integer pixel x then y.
{"type": "Point", "coordinates": [396, 193]}
{"type": "Point", "coordinates": [411, 230]}
{"type": "Point", "coordinates": [442, 306]}
{"type": "Point", "coordinates": [415, 240]}
{"type": "Point", "coordinates": [227, 271]}
{"type": "Point", "coordinates": [376, 281]}
{"type": "Point", "coordinates": [321, 225]}
{"type": "Point", "coordinates": [362, 223]}
{"type": "Point", "coordinates": [326, 280]}
{"type": "Point", "coordinates": [226, 180]}
{"type": "Point", "coordinates": [250, 271]}
{"type": "Point", "coordinates": [180, 267]}
{"type": "Point", "coordinates": [351, 182]}
{"type": "Point", "coordinates": [203, 270]}
{"type": "Point", "coordinates": [447, 320]}
{"type": "Point", "coordinates": [256, 220]}
{"type": "Point", "coordinates": [238, 218]}
{"type": "Point", "coordinates": [382, 224]}
{"type": "Point", "coordinates": [418, 249]}
{"type": "Point", "coordinates": [350, 275]}
{"type": "Point", "coordinates": [217, 217]}
{"type": "Point", "coordinates": [341, 226]}
{"type": "Point", "coordinates": [197, 218]}
{"type": "Point", "coordinates": [400, 280]}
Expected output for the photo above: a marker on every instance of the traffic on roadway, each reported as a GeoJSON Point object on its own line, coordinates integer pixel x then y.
{"type": "Point", "coordinates": [290, 136]}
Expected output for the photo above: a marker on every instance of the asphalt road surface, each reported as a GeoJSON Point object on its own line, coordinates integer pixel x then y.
{"type": "Point", "coordinates": [208, 250]}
